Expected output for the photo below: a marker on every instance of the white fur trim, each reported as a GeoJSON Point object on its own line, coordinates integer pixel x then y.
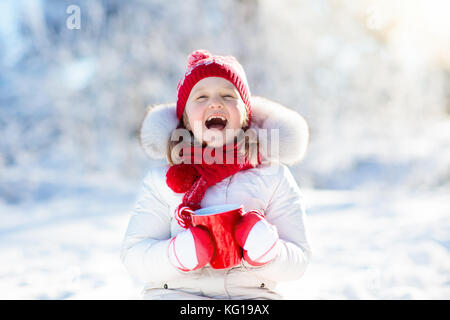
{"type": "Point", "coordinates": [293, 131]}
{"type": "Point", "coordinates": [161, 120]}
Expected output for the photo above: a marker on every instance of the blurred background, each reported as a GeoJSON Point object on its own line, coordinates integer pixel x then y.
{"type": "Point", "coordinates": [372, 78]}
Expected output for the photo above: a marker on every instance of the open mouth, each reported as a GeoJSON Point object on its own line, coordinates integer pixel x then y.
{"type": "Point", "coordinates": [216, 122]}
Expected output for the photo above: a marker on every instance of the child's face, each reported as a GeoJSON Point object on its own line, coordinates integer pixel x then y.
{"type": "Point", "coordinates": [215, 111]}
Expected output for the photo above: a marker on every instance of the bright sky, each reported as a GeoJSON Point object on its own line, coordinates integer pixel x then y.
{"type": "Point", "coordinates": [416, 29]}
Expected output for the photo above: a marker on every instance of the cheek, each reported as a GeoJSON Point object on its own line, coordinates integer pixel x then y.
{"type": "Point", "coordinates": [235, 122]}
{"type": "Point", "coordinates": [237, 117]}
{"type": "Point", "coordinates": [194, 113]}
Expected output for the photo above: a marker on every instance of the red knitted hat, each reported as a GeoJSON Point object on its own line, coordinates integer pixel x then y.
{"type": "Point", "coordinates": [201, 64]}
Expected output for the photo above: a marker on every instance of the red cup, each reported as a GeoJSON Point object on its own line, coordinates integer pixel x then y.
{"type": "Point", "coordinates": [220, 221]}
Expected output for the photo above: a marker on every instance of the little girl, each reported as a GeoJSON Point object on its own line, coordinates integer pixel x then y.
{"type": "Point", "coordinates": [216, 110]}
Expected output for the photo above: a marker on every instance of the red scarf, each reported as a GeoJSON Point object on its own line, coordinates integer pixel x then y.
{"type": "Point", "coordinates": [196, 174]}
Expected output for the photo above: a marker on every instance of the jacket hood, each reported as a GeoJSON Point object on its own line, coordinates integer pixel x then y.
{"type": "Point", "coordinates": [292, 134]}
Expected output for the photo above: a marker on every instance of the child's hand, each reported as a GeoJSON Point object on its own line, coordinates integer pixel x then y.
{"type": "Point", "coordinates": [257, 237]}
{"type": "Point", "coordinates": [191, 249]}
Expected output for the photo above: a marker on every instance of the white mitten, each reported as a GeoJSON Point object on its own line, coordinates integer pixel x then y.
{"type": "Point", "coordinates": [191, 249]}
{"type": "Point", "coordinates": [258, 238]}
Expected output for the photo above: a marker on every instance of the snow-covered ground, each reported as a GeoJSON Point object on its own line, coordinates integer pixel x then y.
{"type": "Point", "coordinates": [67, 247]}
{"type": "Point", "coordinates": [366, 245]}
{"type": "Point", "coordinates": [376, 246]}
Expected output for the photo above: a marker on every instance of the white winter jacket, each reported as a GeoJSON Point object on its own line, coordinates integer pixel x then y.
{"type": "Point", "coordinates": [269, 186]}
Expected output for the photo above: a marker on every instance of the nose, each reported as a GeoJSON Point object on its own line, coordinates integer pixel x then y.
{"type": "Point", "coordinates": [215, 104]}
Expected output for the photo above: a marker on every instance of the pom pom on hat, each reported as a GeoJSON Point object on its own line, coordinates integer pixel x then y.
{"type": "Point", "coordinates": [196, 56]}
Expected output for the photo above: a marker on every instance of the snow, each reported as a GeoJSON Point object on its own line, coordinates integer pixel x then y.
{"type": "Point", "coordinates": [369, 79]}
{"type": "Point", "coordinates": [67, 247]}
{"type": "Point", "coordinates": [376, 247]}
{"type": "Point", "coordinates": [364, 247]}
